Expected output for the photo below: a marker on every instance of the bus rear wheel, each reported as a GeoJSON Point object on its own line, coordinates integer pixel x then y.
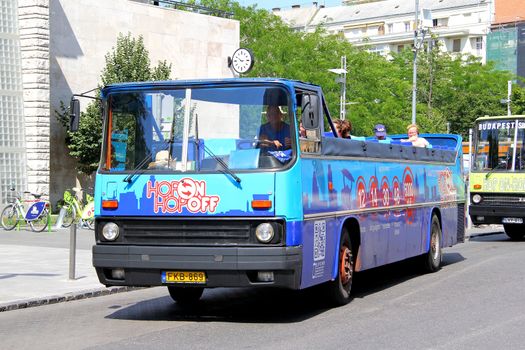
{"type": "Point", "coordinates": [339, 289]}
{"type": "Point", "coordinates": [432, 259]}
{"type": "Point", "coordinates": [185, 295]}
{"type": "Point", "coordinates": [514, 231]}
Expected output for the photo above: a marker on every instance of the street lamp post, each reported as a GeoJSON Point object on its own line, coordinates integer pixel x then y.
{"type": "Point", "coordinates": [341, 79]}
{"type": "Point", "coordinates": [414, 71]}
{"type": "Point", "coordinates": [420, 29]}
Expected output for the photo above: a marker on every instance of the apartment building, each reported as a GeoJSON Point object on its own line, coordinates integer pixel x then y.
{"type": "Point", "coordinates": [386, 26]}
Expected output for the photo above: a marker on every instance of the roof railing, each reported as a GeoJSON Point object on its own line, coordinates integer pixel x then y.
{"type": "Point", "coordinates": [178, 5]}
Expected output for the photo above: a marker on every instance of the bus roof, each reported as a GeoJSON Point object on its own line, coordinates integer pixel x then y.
{"type": "Point", "coordinates": [203, 83]}
{"type": "Point", "coordinates": [500, 117]}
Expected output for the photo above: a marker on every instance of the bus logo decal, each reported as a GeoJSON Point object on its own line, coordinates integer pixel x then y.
{"type": "Point", "coordinates": [174, 196]}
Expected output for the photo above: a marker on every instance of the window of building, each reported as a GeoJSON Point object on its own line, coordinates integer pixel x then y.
{"type": "Point", "coordinates": [478, 43]}
{"type": "Point", "coordinates": [381, 29]}
{"type": "Point", "coordinates": [379, 50]}
{"type": "Point", "coordinates": [440, 22]}
{"type": "Point", "coordinates": [390, 27]}
{"type": "Point", "coordinates": [456, 45]}
{"type": "Point", "coordinates": [407, 26]}
{"type": "Point", "coordinates": [400, 48]}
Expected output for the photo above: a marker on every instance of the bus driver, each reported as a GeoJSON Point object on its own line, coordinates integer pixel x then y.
{"type": "Point", "coordinates": [275, 134]}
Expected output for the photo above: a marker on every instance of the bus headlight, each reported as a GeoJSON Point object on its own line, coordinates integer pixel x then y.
{"type": "Point", "coordinates": [264, 232]}
{"type": "Point", "coordinates": [110, 231]}
{"type": "Point", "coordinates": [476, 198]}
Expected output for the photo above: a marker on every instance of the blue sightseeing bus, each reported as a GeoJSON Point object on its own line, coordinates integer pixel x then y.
{"type": "Point", "coordinates": [244, 183]}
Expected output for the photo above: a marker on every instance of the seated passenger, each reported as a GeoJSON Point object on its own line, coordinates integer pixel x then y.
{"type": "Point", "coordinates": [343, 128]}
{"type": "Point", "coordinates": [275, 134]}
{"type": "Point", "coordinates": [380, 132]}
{"type": "Point", "coordinates": [413, 136]}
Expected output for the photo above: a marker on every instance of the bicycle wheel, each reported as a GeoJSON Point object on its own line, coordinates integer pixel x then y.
{"type": "Point", "coordinates": [9, 217]}
{"type": "Point", "coordinates": [69, 216]}
{"type": "Point", "coordinates": [40, 223]}
{"type": "Point", "coordinates": [90, 223]}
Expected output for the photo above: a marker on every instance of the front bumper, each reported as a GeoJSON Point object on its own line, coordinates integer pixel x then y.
{"type": "Point", "coordinates": [493, 214]}
{"type": "Point", "coordinates": [224, 266]}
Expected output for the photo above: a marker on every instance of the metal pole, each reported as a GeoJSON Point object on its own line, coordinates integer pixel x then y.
{"type": "Point", "coordinates": [72, 250]}
{"type": "Point", "coordinates": [343, 88]}
{"type": "Point", "coordinates": [509, 94]}
{"type": "Point", "coordinates": [469, 220]}
{"type": "Point", "coordinates": [414, 73]}
{"type": "Point", "coordinates": [515, 143]}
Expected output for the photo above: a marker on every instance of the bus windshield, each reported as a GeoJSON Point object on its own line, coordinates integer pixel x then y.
{"type": "Point", "coordinates": [494, 148]}
{"type": "Point", "coordinates": [198, 129]}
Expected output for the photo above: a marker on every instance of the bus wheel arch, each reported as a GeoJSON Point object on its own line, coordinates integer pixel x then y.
{"type": "Point", "coordinates": [352, 228]}
{"type": "Point", "coordinates": [339, 289]}
{"type": "Point", "coordinates": [433, 257]}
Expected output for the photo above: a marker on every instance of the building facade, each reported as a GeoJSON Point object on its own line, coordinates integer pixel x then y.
{"type": "Point", "coordinates": [12, 123]}
{"type": "Point", "coordinates": [386, 26]}
{"type": "Point", "coordinates": [506, 40]}
{"type": "Point", "coordinates": [56, 48]}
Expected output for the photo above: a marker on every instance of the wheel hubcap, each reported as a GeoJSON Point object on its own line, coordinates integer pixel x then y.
{"type": "Point", "coordinates": [345, 267]}
{"type": "Point", "coordinates": [434, 244]}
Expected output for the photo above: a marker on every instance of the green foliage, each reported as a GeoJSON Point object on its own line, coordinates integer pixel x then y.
{"type": "Point", "coordinates": [451, 88]}
{"type": "Point", "coordinates": [128, 61]}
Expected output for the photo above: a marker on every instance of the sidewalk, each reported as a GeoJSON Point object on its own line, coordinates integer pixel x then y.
{"type": "Point", "coordinates": [34, 268]}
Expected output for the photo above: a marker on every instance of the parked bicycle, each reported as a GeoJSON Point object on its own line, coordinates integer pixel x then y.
{"type": "Point", "coordinates": [83, 215]}
{"type": "Point", "coordinates": [37, 215]}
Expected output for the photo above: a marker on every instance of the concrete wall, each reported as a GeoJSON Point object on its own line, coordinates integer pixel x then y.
{"type": "Point", "coordinates": [33, 18]}
{"type": "Point", "coordinates": [82, 32]}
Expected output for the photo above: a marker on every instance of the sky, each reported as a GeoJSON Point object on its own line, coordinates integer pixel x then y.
{"type": "Point", "coordinates": [270, 4]}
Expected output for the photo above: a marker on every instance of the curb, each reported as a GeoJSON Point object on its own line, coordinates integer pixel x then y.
{"type": "Point", "coordinates": [92, 293]}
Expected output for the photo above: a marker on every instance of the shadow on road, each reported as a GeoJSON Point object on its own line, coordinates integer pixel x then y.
{"type": "Point", "coordinates": [498, 237]}
{"type": "Point", "coordinates": [270, 305]}
{"type": "Point", "coordinates": [253, 305]}
{"type": "Point", "coordinates": [380, 278]}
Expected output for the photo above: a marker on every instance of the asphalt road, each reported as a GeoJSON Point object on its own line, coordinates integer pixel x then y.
{"type": "Point", "coordinates": [474, 302]}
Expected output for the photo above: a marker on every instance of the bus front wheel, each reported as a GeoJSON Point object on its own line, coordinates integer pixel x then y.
{"type": "Point", "coordinates": [339, 289]}
{"type": "Point", "coordinates": [514, 231]}
{"type": "Point", "coordinates": [185, 295]}
{"type": "Point", "coordinates": [432, 259]}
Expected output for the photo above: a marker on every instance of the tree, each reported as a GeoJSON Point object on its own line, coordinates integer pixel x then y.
{"type": "Point", "coordinates": [128, 61]}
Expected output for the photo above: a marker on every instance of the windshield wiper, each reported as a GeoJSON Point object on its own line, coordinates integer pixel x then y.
{"type": "Point", "coordinates": [226, 169]}
{"type": "Point", "coordinates": [499, 165]}
{"type": "Point", "coordinates": [137, 168]}
{"type": "Point", "coordinates": [143, 162]}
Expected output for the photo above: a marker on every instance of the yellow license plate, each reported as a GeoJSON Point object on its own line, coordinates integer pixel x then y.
{"type": "Point", "coordinates": [183, 277]}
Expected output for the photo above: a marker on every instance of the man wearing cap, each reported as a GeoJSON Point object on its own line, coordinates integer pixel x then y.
{"type": "Point", "coordinates": [380, 132]}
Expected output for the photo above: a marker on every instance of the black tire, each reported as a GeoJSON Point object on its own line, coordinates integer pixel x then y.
{"type": "Point", "coordinates": [186, 295]}
{"type": "Point", "coordinates": [339, 289]}
{"type": "Point", "coordinates": [516, 232]}
{"type": "Point", "coordinates": [9, 217]}
{"type": "Point", "coordinates": [432, 259]}
{"type": "Point", "coordinates": [40, 223]}
{"type": "Point", "coordinates": [70, 215]}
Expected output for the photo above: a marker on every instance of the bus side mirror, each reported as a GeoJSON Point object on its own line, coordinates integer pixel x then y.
{"type": "Point", "coordinates": [310, 111]}
{"type": "Point", "coordinates": [74, 115]}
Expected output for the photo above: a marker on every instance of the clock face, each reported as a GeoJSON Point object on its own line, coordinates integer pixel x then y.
{"type": "Point", "coordinates": [242, 60]}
